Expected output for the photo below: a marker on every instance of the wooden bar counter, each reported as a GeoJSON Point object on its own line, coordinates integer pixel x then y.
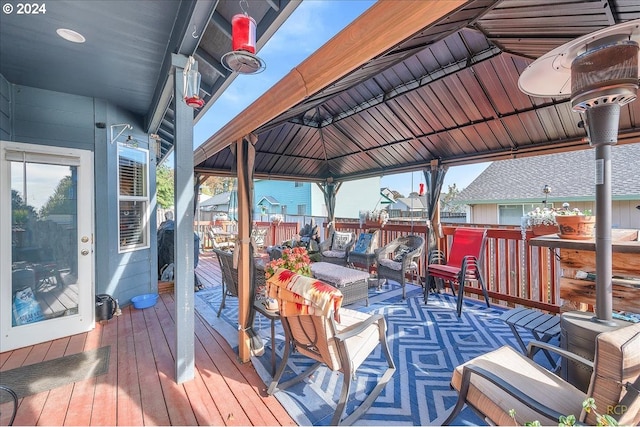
{"type": "Point", "coordinates": [578, 263]}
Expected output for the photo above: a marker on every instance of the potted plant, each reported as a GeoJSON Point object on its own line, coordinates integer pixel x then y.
{"type": "Point", "coordinates": [277, 219]}
{"type": "Point", "coordinates": [541, 221]}
{"type": "Point", "coordinates": [381, 217]}
{"type": "Point", "coordinates": [574, 223]}
{"type": "Point", "coordinates": [294, 259]}
{"type": "Point", "coordinates": [568, 223]}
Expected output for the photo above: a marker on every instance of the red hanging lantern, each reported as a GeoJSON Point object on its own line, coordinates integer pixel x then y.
{"type": "Point", "coordinates": [243, 33]}
{"type": "Point", "coordinates": [421, 191]}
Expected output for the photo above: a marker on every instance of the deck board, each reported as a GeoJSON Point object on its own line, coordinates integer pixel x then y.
{"type": "Point", "coordinates": [129, 407]}
{"type": "Point", "coordinates": [140, 387]}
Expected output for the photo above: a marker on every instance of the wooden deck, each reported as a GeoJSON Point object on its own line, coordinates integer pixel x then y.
{"type": "Point", "coordinates": [139, 388]}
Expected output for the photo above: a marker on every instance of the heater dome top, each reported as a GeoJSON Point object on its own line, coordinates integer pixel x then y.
{"type": "Point", "coordinates": [550, 75]}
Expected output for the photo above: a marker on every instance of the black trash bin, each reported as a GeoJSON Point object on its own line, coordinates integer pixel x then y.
{"type": "Point", "coordinates": [105, 307]}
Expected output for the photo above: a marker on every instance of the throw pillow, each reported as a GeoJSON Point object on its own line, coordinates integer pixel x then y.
{"type": "Point", "coordinates": [400, 252]}
{"type": "Point", "coordinates": [363, 245]}
{"type": "Point", "coordinates": [340, 241]}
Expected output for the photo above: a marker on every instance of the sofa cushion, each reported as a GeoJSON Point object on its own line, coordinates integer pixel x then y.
{"type": "Point", "coordinates": [363, 244]}
{"type": "Point", "coordinates": [340, 241]}
{"type": "Point", "coordinates": [400, 252]}
{"type": "Point", "coordinates": [334, 254]}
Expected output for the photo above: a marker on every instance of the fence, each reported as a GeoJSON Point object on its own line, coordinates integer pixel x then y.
{"type": "Point", "coordinates": [515, 272]}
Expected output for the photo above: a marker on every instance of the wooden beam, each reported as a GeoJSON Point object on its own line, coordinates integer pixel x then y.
{"type": "Point", "coordinates": [244, 236]}
{"type": "Point", "coordinates": [384, 25]}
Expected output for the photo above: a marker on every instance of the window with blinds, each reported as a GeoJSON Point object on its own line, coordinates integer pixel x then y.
{"type": "Point", "coordinates": [133, 198]}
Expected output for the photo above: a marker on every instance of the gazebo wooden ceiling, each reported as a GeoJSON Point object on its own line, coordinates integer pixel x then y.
{"type": "Point", "coordinates": [409, 82]}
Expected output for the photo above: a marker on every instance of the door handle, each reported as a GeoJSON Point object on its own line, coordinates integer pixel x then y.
{"type": "Point", "coordinates": [84, 252]}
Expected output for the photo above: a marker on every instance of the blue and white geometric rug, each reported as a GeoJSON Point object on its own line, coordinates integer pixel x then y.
{"type": "Point", "coordinates": [426, 341]}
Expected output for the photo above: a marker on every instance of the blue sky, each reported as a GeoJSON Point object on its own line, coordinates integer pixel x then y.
{"type": "Point", "coordinates": [311, 25]}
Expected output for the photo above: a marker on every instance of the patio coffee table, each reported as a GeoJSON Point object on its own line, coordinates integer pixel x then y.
{"type": "Point", "coordinates": [354, 284]}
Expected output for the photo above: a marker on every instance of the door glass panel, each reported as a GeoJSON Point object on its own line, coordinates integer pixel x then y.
{"type": "Point", "coordinates": [44, 242]}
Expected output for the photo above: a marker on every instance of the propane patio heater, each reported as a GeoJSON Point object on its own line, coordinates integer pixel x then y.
{"type": "Point", "coordinates": [600, 73]}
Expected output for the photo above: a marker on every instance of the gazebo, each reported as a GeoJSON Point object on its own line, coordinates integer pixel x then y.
{"type": "Point", "coordinates": [415, 85]}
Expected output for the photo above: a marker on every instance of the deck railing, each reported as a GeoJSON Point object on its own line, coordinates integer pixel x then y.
{"type": "Point", "coordinates": [276, 234]}
{"type": "Point", "coordinates": [515, 272]}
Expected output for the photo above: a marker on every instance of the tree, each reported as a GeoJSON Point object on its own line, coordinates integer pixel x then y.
{"type": "Point", "coordinates": [60, 202]}
{"type": "Point", "coordinates": [164, 186]}
{"type": "Point", "coordinates": [217, 185]}
{"type": "Point", "coordinates": [447, 200]}
{"type": "Point", "coordinates": [21, 212]}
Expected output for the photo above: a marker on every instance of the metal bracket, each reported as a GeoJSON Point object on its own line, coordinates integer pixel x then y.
{"type": "Point", "coordinates": [125, 126]}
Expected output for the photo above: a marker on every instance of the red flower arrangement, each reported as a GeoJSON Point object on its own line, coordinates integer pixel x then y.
{"type": "Point", "coordinates": [295, 259]}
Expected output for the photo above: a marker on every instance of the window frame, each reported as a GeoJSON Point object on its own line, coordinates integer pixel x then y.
{"type": "Point", "coordinates": [526, 207]}
{"type": "Point", "coordinates": [128, 198]}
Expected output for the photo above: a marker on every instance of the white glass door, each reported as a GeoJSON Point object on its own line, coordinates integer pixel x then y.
{"type": "Point", "coordinates": [46, 243]}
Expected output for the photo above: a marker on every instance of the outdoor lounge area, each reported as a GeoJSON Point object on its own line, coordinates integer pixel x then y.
{"type": "Point", "coordinates": [137, 387]}
{"type": "Point", "coordinates": [98, 98]}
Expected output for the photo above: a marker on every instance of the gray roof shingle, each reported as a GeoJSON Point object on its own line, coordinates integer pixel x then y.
{"type": "Point", "coordinates": [570, 175]}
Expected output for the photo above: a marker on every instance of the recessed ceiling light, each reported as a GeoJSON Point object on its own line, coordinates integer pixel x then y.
{"type": "Point", "coordinates": [70, 35]}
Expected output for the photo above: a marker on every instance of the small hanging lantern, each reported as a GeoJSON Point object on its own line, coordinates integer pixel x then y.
{"type": "Point", "coordinates": [242, 58]}
{"type": "Point", "coordinates": [192, 85]}
{"type": "Point", "coordinates": [421, 191]}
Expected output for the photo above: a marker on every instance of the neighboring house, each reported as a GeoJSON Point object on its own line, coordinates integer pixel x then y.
{"type": "Point", "coordinates": [413, 203]}
{"type": "Point", "coordinates": [508, 189]}
{"type": "Point", "coordinates": [415, 206]}
{"type": "Point", "coordinates": [304, 198]}
{"type": "Point", "coordinates": [214, 206]}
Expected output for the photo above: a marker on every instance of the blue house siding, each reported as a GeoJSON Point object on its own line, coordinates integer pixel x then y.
{"type": "Point", "coordinates": [286, 193]}
{"type": "Point", "coordinates": [353, 196]}
{"type": "Point", "coordinates": [122, 275]}
{"type": "Point", "coordinates": [5, 109]}
{"type": "Point", "coordinates": [57, 119]}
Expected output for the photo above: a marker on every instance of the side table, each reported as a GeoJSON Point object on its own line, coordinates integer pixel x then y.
{"type": "Point", "coordinates": [542, 326]}
{"type": "Point", "coordinates": [367, 260]}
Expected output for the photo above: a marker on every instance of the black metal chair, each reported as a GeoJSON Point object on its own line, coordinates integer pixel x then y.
{"type": "Point", "coordinates": [230, 276]}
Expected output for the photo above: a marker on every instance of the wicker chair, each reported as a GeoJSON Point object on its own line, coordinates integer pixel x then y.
{"type": "Point", "coordinates": [501, 380]}
{"type": "Point", "coordinates": [398, 258]}
{"type": "Point", "coordinates": [335, 249]}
